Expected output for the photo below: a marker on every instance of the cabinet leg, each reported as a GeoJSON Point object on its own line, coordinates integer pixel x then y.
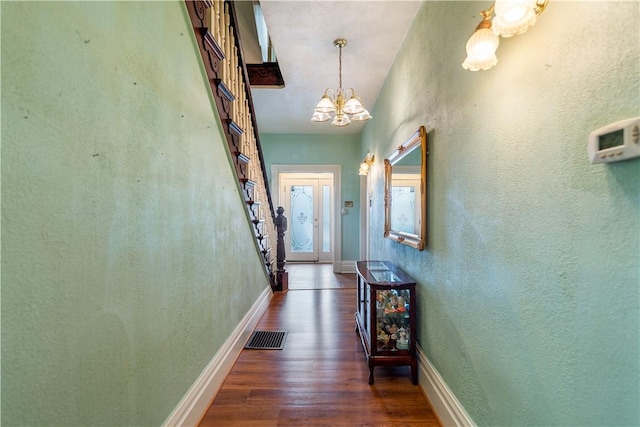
{"type": "Point", "coordinates": [371, 365]}
{"type": "Point", "coordinates": [414, 372]}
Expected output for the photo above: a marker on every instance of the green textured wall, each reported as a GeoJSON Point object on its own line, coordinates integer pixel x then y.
{"type": "Point", "coordinates": [344, 150]}
{"type": "Point", "coordinates": [529, 287]}
{"type": "Point", "coordinates": [122, 225]}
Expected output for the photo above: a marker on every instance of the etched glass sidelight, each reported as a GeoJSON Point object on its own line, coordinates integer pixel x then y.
{"type": "Point", "coordinates": [403, 209]}
{"type": "Point", "coordinates": [302, 218]}
{"type": "Point", "coordinates": [326, 218]}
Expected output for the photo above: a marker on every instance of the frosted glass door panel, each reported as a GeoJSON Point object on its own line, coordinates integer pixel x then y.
{"type": "Point", "coordinates": [302, 219]}
{"type": "Point", "coordinates": [326, 218]}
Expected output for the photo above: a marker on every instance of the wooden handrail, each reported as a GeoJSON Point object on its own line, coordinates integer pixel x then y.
{"type": "Point", "coordinates": [215, 30]}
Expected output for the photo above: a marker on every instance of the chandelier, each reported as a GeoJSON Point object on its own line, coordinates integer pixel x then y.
{"type": "Point", "coordinates": [334, 102]}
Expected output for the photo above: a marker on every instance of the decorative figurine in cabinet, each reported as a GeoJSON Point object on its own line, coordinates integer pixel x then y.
{"type": "Point", "coordinates": [384, 318]}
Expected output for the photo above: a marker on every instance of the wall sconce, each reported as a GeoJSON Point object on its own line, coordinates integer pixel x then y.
{"type": "Point", "coordinates": [365, 166]}
{"type": "Point", "coordinates": [512, 17]}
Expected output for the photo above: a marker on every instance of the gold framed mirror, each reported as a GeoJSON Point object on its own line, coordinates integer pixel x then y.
{"type": "Point", "coordinates": [405, 192]}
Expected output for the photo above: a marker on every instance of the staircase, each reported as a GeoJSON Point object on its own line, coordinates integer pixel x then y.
{"type": "Point", "coordinates": [214, 26]}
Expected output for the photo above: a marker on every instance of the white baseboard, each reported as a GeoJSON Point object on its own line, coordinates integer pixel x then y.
{"type": "Point", "coordinates": [443, 401]}
{"type": "Point", "coordinates": [199, 397]}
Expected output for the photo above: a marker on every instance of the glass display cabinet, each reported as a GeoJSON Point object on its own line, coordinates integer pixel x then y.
{"type": "Point", "coordinates": [385, 319]}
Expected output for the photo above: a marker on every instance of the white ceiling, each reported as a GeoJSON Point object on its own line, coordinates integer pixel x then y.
{"type": "Point", "coordinates": [302, 33]}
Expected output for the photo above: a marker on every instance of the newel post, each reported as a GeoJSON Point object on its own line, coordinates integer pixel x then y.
{"type": "Point", "coordinates": [282, 277]}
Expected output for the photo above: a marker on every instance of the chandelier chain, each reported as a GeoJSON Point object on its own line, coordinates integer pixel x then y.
{"type": "Point", "coordinates": [340, 66]}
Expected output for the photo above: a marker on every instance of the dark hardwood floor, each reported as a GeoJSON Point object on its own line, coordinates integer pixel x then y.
{"type": "Point", "coordinates": [320, 377]}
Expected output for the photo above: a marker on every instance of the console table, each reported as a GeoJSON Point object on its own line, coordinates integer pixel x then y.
{"type": "Point", "coordinates": [384, 317]}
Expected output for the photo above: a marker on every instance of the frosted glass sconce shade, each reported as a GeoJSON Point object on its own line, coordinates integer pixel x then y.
{"type": "Point", "coordinates": [513, 17]}
{"type": "Point", "coordinates": [481, 48]}
{"type": "Point", "coordinates": [365, 166]}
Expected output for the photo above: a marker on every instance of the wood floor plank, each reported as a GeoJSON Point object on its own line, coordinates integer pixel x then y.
{"type": "Point", "coordinates": [320, 376]}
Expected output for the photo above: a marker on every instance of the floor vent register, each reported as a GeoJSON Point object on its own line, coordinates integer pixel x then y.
{"type": "Point", "coordinates": [267, 340]}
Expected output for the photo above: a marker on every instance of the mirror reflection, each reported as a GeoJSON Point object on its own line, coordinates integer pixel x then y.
{"type": "Point", "coordinates": [405, 192]}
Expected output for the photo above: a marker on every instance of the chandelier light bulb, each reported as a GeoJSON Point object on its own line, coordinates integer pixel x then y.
{"type": "Point", "coordinates": [320, 117]}
{"type": "Point", "coordinates": [354, 105]}
{"type": "Point", "coordinates": [362, 116]}
{"type": "Point", "coordinates": [326, 104]}
{"type": "Point", "coordinates": [340, 120]}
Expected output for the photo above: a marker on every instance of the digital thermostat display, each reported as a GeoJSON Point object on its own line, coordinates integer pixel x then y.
{"type": "Point", "coordinates": [615, 142]}
{"type": "Point", "coordinates": [613, 139]}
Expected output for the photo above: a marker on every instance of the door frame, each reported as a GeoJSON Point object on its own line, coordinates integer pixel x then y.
{"type": "Point", "coordinates": [365, 215]}
{"type": "Point", "coordinates": [336, 171]}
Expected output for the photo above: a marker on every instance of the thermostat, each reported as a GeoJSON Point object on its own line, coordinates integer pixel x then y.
{"type": "Point", "coordinates": [615, 142]}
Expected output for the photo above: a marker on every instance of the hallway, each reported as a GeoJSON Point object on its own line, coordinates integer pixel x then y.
{"type": "Point", "coordinates": [320, 377]}
{"type": "Point", "coordinates": [317, 276]}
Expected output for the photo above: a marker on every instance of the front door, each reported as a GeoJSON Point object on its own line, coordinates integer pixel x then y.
{"type": "Point", "coordinates": [308, 208]}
